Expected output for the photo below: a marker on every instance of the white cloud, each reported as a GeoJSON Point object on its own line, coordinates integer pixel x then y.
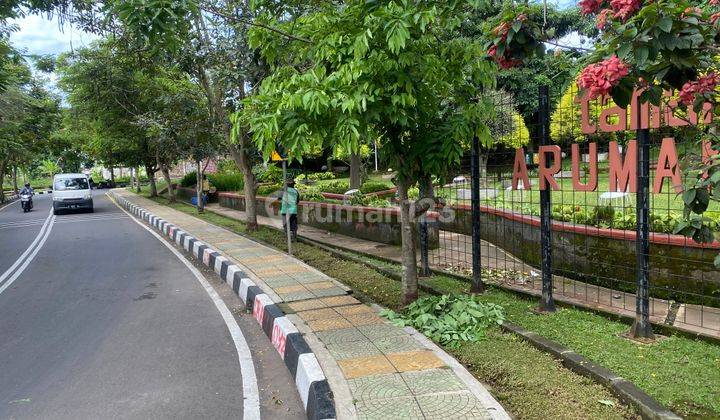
{"type": "Point", "coordinates": [42, 36]}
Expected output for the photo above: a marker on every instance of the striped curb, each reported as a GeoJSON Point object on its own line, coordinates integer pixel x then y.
{"type": "Point", "coordinates": [310, 381]}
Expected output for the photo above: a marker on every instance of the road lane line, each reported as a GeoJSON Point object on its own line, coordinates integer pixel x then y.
{"type": "Point", "coordinates": [29, 259]}
{"type": "Point", "coordinates": [28, 250]}
{"type": "Point", "coordinates": [250, 394]}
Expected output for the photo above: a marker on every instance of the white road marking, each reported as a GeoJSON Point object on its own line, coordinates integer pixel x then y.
{"type": "Point", "coordinates": [22, 224]}
{"type": "Point", "coordinates": [8, 205]}
{"type": "Point", "coordinates": [96, 219]}
{"type": "Point", "coordinates": [26, 259]}
{"type": "Point", "coordinates": [250, 394]}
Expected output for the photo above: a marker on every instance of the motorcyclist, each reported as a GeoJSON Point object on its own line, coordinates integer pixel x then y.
{"type": "Point", "coordinates": [27, 190]}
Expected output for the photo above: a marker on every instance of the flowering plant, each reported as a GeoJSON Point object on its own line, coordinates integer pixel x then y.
{"type": "Point", "coordinates": [515, 36]}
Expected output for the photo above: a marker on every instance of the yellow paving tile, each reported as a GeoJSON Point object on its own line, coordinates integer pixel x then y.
{"type": "Point", "coordinates": [365, 366]}
{"type": "Point", "coordinates": [329, 324]}
{"type": "Point", "coordinates": [364, 319]}
{"type": "Point", "coordinates": [353, 310]}
{"type": "Point", "coordinates": [315, 314]}
{"type": "Point", "coordinates": [306, 305]}
{"type": "Point", "coordinates": [415, 360]}
{"type": "Point", "coordinates": [340, 300]}
{"type": "Point", "coordinates": [320, 285]}
{"type": "Point", "coordinates": [290, 289]}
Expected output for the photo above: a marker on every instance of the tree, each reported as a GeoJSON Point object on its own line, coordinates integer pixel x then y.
{"type": "Point", "coordinates": [401, 70]}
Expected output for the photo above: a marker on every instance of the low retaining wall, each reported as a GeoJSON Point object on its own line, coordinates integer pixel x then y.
{"type": "Point", "coordinates": [680, 268]}
{"type": "Point", "coordinates": [374, 224]}
{"type": "Point", "coordinates": [186, 194]}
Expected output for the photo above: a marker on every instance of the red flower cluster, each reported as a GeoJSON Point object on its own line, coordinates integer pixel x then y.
{"type": "Point", "coordinates": [603, 18]}
{"type": "Point", "coordinates": [704, 84]}
{"type": "Point", "coordinates": [714, 2]}
{"type": "Point", "coordinates": [714, 17]}
{"type": "Point", "coordinates": [625, 8]}
{"type": "Point", "coordinates": [600, 78]}
{"type": "Point", "coordinates": [588, 7]}
{"type": "Point", "coordinates": [502, 61]}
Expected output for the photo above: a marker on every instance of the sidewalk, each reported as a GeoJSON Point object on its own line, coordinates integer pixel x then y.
{"type": "Point", "coordinates": [454, 254]}
{"type": "Point", "coordinates": [375, 370]}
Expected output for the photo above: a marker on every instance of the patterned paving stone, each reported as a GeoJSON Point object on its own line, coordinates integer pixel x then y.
{"type": "Point", "coordinates": [355, 309]}
{"type": "Point", "coordinates": [415, 360]}
{"type": "Point", "coordinates": [306, 305]}
{"type": "Point", "coordinates": [290, 289]}
{"type": "Point", "coordinates": [365, 366]}
{"type": "Point", "coordinates": [333, 291]}
{"type": "Point", "coordinates": [391, 408]}
{"type": "Point", "coordinates": [352, 349]}
{"type": "Point", "coordinates": [281, 282]}
{"type": "Point", "coordinates": [459, 405]}
{"type": "Point", "coordinates": [340, 301]}
{"type": "Point", "coordinates": [397, 344]}
{"type": "Point", "coordinates": [432, 381]}
{"type": "Point", "coordinates": [379, 386]}
{"type": "Point", "coordinates": [291, 297]}
{"type": "Point", "coordinates": [329, 324]}
{"type": "Point", "coordinates": [320, 285]}
{"type": "Point", "coordinates": [374, 332]}
{"type": "Point", "coordinates": [340, 336]}
{"type": "Point", "coordinates": [365, 319]}
{"type": "Point", "coordinates": [313, 314]}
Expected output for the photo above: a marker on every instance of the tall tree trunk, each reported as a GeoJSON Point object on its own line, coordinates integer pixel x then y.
{"type": "Point", "coordinates": [242, 160]}
{"type": "Point", "coordinates": [171, 191]}
{"type": "Point", "coordinates": [409, 257]}
{"type": "Point", "coordinates": [14, 179]}
{"type": "Point", "coordinates": [3, 168]}
{"type": "Point", "coordinates": [198, 187]}
{"type": "Point", "coordinates": [137, 179]}
{"type": "Point", "coordinates": [151, 177]}
{"type": "Point", "coordinates": [355, 171]}
{"type": "Point", "coordinates": [112, 174]}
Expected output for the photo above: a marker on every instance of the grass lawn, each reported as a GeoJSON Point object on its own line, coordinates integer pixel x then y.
{"type": "Point", "coordinates": [528, 382]}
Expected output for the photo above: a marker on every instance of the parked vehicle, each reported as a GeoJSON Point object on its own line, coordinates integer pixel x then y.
{"type": "Point", "coordinates": [72, 192]}
{"type": "Point", "coordinates": [26, 202]}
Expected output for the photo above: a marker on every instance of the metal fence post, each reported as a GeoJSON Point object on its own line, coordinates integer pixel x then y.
{"type": "Point", "coordinates": [547, 304]}
{"type": "Point", "coordinates": [477, 283]}
{"type": "Point", "coordinates": [642, 328]}
{"type": "Point", "coordinates": [424, 246]}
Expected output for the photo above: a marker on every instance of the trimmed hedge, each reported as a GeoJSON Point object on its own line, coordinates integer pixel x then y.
{"type": "Point", "coordinates": [222, 182]}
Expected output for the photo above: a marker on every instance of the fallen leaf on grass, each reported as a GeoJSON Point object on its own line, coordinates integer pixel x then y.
{"type": "Point", "coordinates": [609, 403]}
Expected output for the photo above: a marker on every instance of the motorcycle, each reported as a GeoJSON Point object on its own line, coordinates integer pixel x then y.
{"type": "Point", "coordinates": [26, 202]}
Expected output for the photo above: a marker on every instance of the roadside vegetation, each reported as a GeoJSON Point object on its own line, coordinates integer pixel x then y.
{"type": "Point", "coordinates": [680, 372]}
{"type": "Point", "coordinates": [520, 376]}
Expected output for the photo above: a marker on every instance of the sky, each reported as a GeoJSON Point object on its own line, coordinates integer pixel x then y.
{"type": "Point", "coordinates": [38, 35]}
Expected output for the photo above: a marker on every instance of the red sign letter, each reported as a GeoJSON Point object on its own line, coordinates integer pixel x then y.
{"type": "Point", "coordinates": [545, 173]}
{"type": "Point", "coordinates": [593, 175]}
{"type": "Point", "coordinates": [520, 170]}
{"type": "Point", "coordinates": [614, 113]}
{"type": "Point", "coordinates": [623, 173]}
{"type": "Point", "coordinates": [667, 167]}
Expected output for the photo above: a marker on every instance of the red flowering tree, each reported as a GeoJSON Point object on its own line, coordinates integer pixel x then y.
{"type": "Point", "coordinates": [657, 45]}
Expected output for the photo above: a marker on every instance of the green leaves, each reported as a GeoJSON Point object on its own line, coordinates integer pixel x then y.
{"type": "Point", "coordinates": [449, 319]}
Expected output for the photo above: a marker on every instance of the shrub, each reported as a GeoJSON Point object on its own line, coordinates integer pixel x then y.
{"type": "Point", "coordinates": [225, 166]}
{"type": "Point", "coordinates": [227, 182]}
{"type": "Point", "coordinates": [336, 187]}
{"type": "Point", "coordinates": [189, 180]}
{"type": "Point", "coordinates": [449, 319]}
{"type": "Point", "coordinates": [272, 174]}
{"type": "Point", "coordinates": [310, 193]}
{"type": "Point", "coordinates": [265, 190]}
{"type": "Point", "coordinates": [373, 186]}
{"type": "Point", "coordinates": [315, 176]}
{"type": "Point", "coordinates": [605, 214]}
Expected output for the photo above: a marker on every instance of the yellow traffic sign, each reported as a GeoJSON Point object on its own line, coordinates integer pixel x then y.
{"type": "Point", "coordinates": [275, 157]}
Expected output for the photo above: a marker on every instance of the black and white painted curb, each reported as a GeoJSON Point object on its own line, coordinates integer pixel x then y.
{"type": "Point", "coordinates": [300, 360]}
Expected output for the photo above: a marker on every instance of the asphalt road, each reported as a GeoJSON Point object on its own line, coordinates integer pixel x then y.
{"type": "Point", "coordinates": [99, 319]}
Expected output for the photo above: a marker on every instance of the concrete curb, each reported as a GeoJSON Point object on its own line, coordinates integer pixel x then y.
{"type": "Point", "coordinates": [625, 390]}
{"type": "Point", "coordinates": [310, 381]}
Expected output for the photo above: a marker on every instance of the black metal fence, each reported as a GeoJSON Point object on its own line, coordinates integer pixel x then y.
{"type": "Point", "coordinates": [592, 246]}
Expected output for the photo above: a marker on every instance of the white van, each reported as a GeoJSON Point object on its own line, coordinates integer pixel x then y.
{"type": "Point", "coordinates": [72, 191]}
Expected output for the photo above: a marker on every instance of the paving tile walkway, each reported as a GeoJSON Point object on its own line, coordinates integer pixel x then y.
{"type": "Point", "coordinates": [390, 374]}
{"type": "Point", "coordinates": [454, 254]}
